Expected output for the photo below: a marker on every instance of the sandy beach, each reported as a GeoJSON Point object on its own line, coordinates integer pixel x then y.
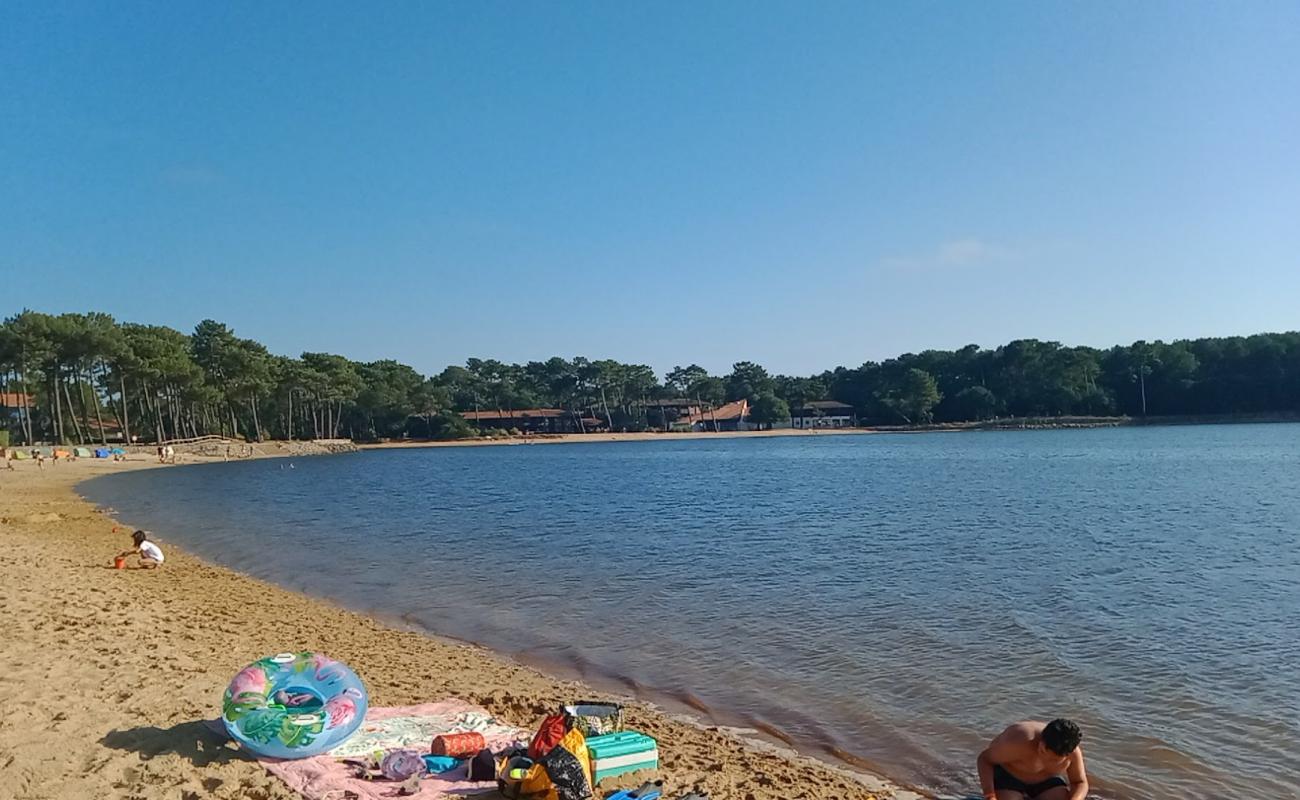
{"type": "Point", "coordinates": [107, 676]}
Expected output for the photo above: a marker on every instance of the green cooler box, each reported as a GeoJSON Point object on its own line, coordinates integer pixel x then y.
{"type": "Point", "coordinates": [616, 753]}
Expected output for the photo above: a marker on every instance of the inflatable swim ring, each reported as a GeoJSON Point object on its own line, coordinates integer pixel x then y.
{"type": "Point", "coordinates": [293, 705]}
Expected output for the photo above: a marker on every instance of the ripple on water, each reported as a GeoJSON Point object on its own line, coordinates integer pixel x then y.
{"type": "Point", "coordinates": [889, 600]}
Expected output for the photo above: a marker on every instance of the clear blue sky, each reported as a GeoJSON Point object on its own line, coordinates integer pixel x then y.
{"type": "Point", "coordinates": [800, 184]}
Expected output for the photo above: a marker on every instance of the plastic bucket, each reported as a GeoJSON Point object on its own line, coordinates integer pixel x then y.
{"type": "Point", "coordinates": [119, 562]}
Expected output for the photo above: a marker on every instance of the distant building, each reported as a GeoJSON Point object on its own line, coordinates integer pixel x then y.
{"type": "Point", "coordinates": [534, 420]}
{"type": "Point", "coordinates": [729, 417]}
{"type": "Point", "coordinates": [670, 414]}
{"type": "Point", "coordinates": [16, 400]}
{"type": "Point", "coordinates": [11, 404]}
{"type": "Point", "coordinates": [684, 406]}
{"type": "Point", "coordinates": [823, 414]}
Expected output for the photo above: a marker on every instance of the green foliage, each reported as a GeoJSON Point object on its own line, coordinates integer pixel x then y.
{"type": "Point", "coordinates": [798, 391]}
{"type": "Point", "coordinates": [683, 380]}
{"type": "Point", "coordinates": [709, 390]}
{"type": "Point", "coordinates": [768, 409]}
{"type": "Point", "coordinates": [747, 381]}
{"type": "Point", "coordinates": [911, 395]}
{"type": "Point", "coordinates": [974, 403]}
{"type": "Point", "coordinates": [390, 393]}
{"type": "Point", "coordinates": [92, 379]}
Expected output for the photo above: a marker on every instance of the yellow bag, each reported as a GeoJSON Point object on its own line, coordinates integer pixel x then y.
{"type": "Point", "coordinates": [562, 774]}
{"type": "Point", "coordinates": [566, 782]}
{"type": "Point", "coordinates": [521, 778]}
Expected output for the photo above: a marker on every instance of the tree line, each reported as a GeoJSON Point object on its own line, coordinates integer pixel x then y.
{"type": "Point", "coordinates": [93, 379]}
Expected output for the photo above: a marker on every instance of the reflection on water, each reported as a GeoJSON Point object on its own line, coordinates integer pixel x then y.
{"type": "Point", "coordinates": [894, 600]}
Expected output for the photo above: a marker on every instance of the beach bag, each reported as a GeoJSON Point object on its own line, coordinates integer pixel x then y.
{"type": "Point", "coordinates": [521, 778]}
{"type": "Point", "coordinates": [548, 735]}
{"type": "Point", "coordinates": [594, 719]}
{"type": "Point", "coordinates": [564, 774]}
{"type": "Point", "coordinates": [458, 745]}
{"type": "Point", "coordinates": [482, 767]}
{"type": "Point", "coordinates": [569, 767]}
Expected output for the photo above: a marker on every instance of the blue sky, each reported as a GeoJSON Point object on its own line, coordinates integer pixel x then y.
{"type": "Point", "coordinates": [800, 184]}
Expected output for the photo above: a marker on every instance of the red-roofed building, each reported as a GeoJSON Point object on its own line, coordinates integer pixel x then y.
{"type": "Point", "coordinates": [728, 417]}
{"type": "Point", "coordinates": [11, 405]}
{"type": "Point", "coordinates": [17, 400]}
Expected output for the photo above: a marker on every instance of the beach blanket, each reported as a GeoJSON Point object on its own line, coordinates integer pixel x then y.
{"type": "Point", "coordinates": [325, 777]}
{"type": "Point", "coordinates": [415, 726]}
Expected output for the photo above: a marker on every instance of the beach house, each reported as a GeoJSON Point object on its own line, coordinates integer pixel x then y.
{"type": "Point", "coordinates": [823, 414]}
{"type": "Point", "coordinates": [670, 414]}
{"type": "Point", "coordinates": [11, 405]}
{"type": "Point", "coordinates": [732, 416]}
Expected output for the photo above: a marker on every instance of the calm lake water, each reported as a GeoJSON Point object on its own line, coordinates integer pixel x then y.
{"type": "Point", "coordinates": [895, 599]}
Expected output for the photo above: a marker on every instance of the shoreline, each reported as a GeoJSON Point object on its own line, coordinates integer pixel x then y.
{"type": "Point", "coordinates": [142, 657]}
{"type": "Point", "coordinates": [578, 438]}
{"type": "Point", "coordinates": [1008, 424]}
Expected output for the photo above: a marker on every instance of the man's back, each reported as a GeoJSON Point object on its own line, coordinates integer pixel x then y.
{"type": "Point", "coordinates": [1016, 750]}
{"type": "Point", "coordinates": [1034, 760]}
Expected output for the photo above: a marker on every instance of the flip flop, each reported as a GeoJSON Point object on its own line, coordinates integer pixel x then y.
{"type": "Point", "coordinates": [646, 791]}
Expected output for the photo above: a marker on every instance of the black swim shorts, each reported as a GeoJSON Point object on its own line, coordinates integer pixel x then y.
{"type": "Point", "coordinates": [1005, 780]}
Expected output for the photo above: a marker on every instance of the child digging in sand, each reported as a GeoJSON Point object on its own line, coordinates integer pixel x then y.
{"type": "Point", "coordinates": [150, 556]}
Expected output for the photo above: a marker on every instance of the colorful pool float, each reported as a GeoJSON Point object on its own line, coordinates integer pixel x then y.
{"type": "Point", "coordinates": [293, 705]}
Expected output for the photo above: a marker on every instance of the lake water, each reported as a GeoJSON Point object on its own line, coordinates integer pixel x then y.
{"type": "Point", "coordinates": [892, 600]}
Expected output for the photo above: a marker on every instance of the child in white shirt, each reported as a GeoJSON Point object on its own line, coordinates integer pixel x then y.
{"type": "Point", "coordinates": [151, 556]}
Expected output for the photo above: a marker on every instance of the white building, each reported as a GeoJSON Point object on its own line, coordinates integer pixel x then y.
{"type": "Point", "coordinates": [823, 414]}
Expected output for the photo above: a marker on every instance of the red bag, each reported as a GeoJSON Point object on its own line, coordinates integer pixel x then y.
{"type": "Point", "coordinates": [548, 736]}
{"type": "Point", "coordinates": [458, 745]}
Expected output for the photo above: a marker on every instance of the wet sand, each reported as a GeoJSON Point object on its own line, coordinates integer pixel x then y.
{"type": "Point", "coordinates": [107, 675]}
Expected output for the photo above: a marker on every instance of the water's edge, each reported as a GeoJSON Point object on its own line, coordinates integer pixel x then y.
{"type": "Point", "coordinates": [678, 705]}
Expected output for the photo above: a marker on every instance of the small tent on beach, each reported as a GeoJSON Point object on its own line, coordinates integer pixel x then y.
{"type": "Point", "coordinates": [81, 452]}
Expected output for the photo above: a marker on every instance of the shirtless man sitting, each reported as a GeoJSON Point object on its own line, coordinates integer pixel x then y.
{"type": "Point", "coordinates": [1034, 761]}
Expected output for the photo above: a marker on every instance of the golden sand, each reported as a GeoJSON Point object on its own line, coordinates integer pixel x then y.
{"type": "Point", "coordinates": [107, 675]}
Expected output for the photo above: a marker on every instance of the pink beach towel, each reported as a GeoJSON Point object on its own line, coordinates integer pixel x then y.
{"type": "Point", "coordinates": [325, 777]}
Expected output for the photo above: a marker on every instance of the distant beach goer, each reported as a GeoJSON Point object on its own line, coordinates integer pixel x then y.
{"type": "Point", "coordinates": [1034, 761]}
{"type": "Point", "coordinates": [150, 556]}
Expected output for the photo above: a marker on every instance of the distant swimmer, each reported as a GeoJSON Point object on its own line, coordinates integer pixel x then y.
{"type": "Point", "coordinates": [1034, 761]}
